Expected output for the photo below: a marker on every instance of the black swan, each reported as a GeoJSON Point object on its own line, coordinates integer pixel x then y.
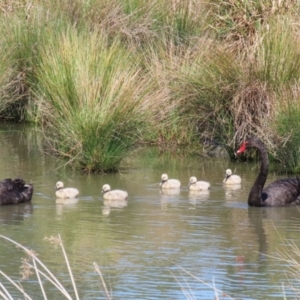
{"type": "Point", "coordinates": [14, 191]}
{"type": "Point", "coordinates": [278, 193]}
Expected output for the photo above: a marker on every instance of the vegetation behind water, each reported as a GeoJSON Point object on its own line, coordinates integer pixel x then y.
{"type": "Point", "coordinates": [101, 78]}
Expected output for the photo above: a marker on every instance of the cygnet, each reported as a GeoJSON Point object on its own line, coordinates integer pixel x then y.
{"type": "Point", "coordinates": [64, 193]}
{"type": "Point", "coordinates": [195, 185]}
{"type": "Point", "coordinates": [167, 183]}
{"type": "Point", "coordinates": [231, 178]}
{"type": "Point", "coordinates": [109, 194]}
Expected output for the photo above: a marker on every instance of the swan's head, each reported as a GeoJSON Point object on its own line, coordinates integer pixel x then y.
{"type": "Point", "coordinates": [164, 177]}
{"type": "Point", "coordinates": [105, 188]}
{"type": "Point", "coordinates": [193, 180]}
{"type": "Point", "coordinates": [251, 143]}
{"type": "Point", "coordinates": [59, 185]}
{"type": "Point", "coordinates": [228, 172]}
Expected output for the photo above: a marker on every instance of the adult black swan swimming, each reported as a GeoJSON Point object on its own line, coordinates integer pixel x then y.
{"type": "Point", "coordinates": [14, 191]}
{"type": "Point", "coordinates": [278, 193]}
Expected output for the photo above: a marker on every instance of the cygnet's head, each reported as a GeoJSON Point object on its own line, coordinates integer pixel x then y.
{"type": "Point", "coordinates": [228, 172]}
{"type": "Point", "coordinates": [105, 188]}
{"type": "Point", "coordinates": [193, 180]}
{"type": "Point", "coordinates": [59, 185]}
{"type": "Point", "coordinates": [164, 177]}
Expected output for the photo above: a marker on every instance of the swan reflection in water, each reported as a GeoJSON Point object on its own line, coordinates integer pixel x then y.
{"type": "Point", "coordinates": [198, 196]}
{"type": "Point", "coordinates": [15, 214]}
{"type": "Point", "coordinates": [113, 203]}
{"type": "Point", "coordinates": [65, 204]}
{"type": "Point", "coordinates": [168, 196]}
{"type": "Point", "coordinates": [232, 191]}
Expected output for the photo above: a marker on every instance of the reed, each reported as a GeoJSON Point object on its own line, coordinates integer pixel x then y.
{"type": "Point", "coordinates": [33, 265]}
{"type": "Point", "coordinates": [186, 290]}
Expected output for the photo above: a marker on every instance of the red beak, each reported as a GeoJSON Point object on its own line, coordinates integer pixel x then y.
{"type": "Point", "coordinates": [242, 149]}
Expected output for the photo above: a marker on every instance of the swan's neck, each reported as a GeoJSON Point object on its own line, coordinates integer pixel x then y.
{"type": "Point", "coordinates": [226, 178]}
{"type": "Point", "coordinates": [256, 190]}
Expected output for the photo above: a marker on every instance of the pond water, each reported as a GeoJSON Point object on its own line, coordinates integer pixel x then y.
{"type": "Point", "coordinates": [159, 245]}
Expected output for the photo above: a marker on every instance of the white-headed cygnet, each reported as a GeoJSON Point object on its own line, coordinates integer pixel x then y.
{"type": "Point", "coordinates": [64, 193]}
{"type": "Point", "coordinates": [167, 183]}
{"type": "Point", "coordinates": [109, 194]}
{"type": "Point", "coordinates": [231, 178]}
{"type": "Point", "coordinates": [195, 185]}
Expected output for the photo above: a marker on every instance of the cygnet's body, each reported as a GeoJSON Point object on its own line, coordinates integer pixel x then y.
{"type": "Point", "coordinates": [231, 178]}
{"type": "Point", "coordinates": [65, 193]}
{"type": "Point", "coordinates": [167, 183]}
{"type": "Point", "coordinates": [195, 185]}
{"type": "Point", "coordinates": [109, 194]}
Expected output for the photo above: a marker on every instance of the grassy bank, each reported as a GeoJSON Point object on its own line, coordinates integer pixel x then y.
{"type": "Point", "coordinates": [101, 78]}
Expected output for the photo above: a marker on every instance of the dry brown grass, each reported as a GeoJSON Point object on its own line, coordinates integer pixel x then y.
{"type": "Point", "coordinates": [252, 105]}
{"type": "Point", "coordinates": [31, 265]}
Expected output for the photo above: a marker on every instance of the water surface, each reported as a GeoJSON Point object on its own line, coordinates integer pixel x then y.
{"type": "Point", "coordinates": [172, 245]}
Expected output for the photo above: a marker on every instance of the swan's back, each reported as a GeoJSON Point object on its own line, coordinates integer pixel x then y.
{"type": "Point", "coordinates": [65, 193]}
{"type": "Point", "coordinates": [167, 183]}
{"type": "Point", "coordinates": [115, 195]}
{"type": "Point", "coordinates": [282, 192]}
{"type": "Point", "coordinates": [14, 191]}
{"type": "Point", "coordinates": [233, 179]}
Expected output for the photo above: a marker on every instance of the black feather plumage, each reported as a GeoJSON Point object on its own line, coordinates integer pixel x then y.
{"type": "Point", "coordinates": [14, 191]}
{"type": "Point", "coordinates": [278, 193]}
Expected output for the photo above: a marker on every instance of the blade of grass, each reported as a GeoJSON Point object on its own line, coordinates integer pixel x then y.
{"type": "Point", "coordinates": [198, 279]}
{"type": "Point", "coordinates": [108, 296]}
{"type": "Point", "coordinates": [39, 279]}
{"type": "Point", "coordinates": [13, 283]}
{"type": "Point", "coordinates": [6, 295]}
{"type": "Point", "coordinates": [57, 285]}
{"type": "Point", "coordinates": [186, 293]}
{"type": "Point", "coordinates": [69, 267]}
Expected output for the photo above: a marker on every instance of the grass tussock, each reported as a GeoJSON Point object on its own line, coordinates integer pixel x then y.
{"type": "Point", "coordinates": [103, 77]}
{"type": "Point", "coordinates": [106, 100]}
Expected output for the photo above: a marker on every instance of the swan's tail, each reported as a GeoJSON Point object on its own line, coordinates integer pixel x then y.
{"type": "Point", "coordinates": [297, 202]}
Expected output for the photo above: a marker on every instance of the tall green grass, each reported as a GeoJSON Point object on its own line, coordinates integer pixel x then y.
{"type": "Point", "coordinates": [206, 86]}
{"type": "Point", "coordinates": [95, 99]}
{"type": "Point", "coordinates": [103, 77]}
{"type": "Point", "coordinates": [286, 124]}
{"type": "Point", "coordinates": [278, 53]}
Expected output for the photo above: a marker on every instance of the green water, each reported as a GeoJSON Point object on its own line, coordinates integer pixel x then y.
{"type": "Point", "coordinates": [158, 246]}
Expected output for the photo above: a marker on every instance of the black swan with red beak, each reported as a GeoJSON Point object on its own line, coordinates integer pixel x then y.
{"type": "Point", "coordinates": [278, 193]}
{"type": "Point", "coordinates": [15, 191]}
